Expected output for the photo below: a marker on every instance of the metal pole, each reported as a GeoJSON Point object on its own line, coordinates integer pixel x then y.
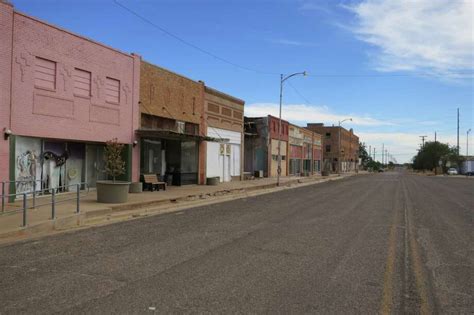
{"type": "Point", "coordinates": [312, 151]}
{"type": "Point", "coordinates": [383, 150]}
{"type": "Point", "coordinates": [339, 163]}
{"type": "Point", "coordinates": [458, 133]}
{"type": "Point", "coordinates": [34, 194]}
{"type": "Point", "coordinates": [53, 204]}
{"type": "Point", "coordinates": [3, 196]}
{"type": "Point", "coordinates": [279, 132]}
{"type": "Point", "coordinates": [467, 142]}
{"type": "Point", "coordinates": [78, 209]}
{"type": "Point", "coordinates": [24, 210]}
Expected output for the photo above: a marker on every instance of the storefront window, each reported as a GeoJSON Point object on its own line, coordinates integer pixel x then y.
{"type": "Point", "coordinates": [150, 159]}
{"type": "Point", "coordinates": [189, 157]}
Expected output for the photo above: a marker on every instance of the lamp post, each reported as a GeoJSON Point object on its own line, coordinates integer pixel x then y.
{"type": "Point", "coordinates": [339, 145]}
{"type": "Point", "coordinates": [467, 142]}
{"type": "Point", "coordinates": [283, 79]}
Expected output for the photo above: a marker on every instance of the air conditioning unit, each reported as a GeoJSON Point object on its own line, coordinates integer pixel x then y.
{"type": "Point", "coordinates": [180, 126]}
{"type": "Point", "coordinates": [258, 174]}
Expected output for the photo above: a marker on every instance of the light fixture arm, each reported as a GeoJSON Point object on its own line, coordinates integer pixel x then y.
{"type": "Point", "coordinates": [304, 73]}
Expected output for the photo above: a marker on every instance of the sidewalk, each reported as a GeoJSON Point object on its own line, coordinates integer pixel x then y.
{"type": "Point", "coordinates": [39, 219]}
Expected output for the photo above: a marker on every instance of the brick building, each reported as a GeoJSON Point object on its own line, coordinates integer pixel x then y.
{"type": "Point", "coordinates": [340, 147]}
{"type": "Point", "coordinates": [295, 150]}
{"type": "Point", "coordinates": [225, 118]}
{"type": "Point", "coordinates": [172, 126]}
{"type": "Point", "coordinates": [261, 145]}
{"type": "Point", "coordinates": [61, 97]}
{"type": "Point", "coordinates": [304, 151]}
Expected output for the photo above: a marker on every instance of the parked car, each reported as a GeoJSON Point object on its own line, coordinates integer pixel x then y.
{"type": "Point", "coordinates": [452, 171]}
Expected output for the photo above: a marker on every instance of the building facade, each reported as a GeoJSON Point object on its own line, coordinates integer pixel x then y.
{"type": "Point", "coordinates": [340, 147]}
{"type": "Point", "coordinates": [62, 96]}
{"type": "Point", "coordinates": [295, 150]}
{"type": "Point", "coordinates": [172, 126]}
{"type": "Point", "coordinates": [304, 152]}
{"type": "Point", "coordinates": [261, 145]}
{"type": "Point", "coordinates": [225, 119]}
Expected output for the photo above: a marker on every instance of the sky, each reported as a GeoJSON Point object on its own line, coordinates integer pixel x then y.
{"type": "Point", "coordinates": [398, 68]}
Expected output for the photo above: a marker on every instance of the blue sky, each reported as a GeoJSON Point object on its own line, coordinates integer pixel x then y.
{"type": "Point", "coordinates": [398, 68]}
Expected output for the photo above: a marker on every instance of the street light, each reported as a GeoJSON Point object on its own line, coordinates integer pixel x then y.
{"type": "Point", "coordinates": [339, 145]}
{"type": "Point", "coordinates": [467, 142]}
{"type": "Point", "coordinates": [283, 79]}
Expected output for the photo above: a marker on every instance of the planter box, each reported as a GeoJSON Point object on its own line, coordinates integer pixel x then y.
{"type": "Point", "coordinates": [136, 188]}
{"type": "Point", "coordinates": [112, 192]}
{"type": "Point", "coordinates": [212, 181]}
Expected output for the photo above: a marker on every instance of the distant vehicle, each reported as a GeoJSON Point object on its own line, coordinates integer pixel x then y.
{"type": "Point", "coordinates": [452, 171]}
{"type": "Point", "coordinates": [380, 170]}
{"type": "Point", "coordinates": [467, 167]}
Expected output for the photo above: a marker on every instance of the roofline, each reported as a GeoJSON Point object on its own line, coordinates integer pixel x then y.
{"type": "Point", "coordinates": [224, 95]}
{"type": "Point", "coordinates": [172, 72]}
{"type": "Point", "coordinates": [72, 34]}
{"type": "Point", "coordinates": [274, 117]}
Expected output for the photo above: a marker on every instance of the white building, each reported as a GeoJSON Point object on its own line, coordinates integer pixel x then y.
{"type": "Point", "coordinates": [224, 115]}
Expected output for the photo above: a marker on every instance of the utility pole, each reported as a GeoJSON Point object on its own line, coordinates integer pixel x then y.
{"type": "Point", "coordinates": [435, 136]}
{"type": "Point", "coordinates": [370, 150]}
{"type": "Point", "coordinates": [458, 132]}
{"type": "Point", "coordinates": [282, 79]}
{"type": "Point", "coordinates": [423, 141]}
{"type": "Point", "coordinates": [374, 153]}
{"type": "Point", "coordinates": [383, 150]}
{"type": "Point", "coordinates": [467, 142]}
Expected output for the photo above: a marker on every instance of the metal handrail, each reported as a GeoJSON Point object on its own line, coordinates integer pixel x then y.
{"type": "Point", "coordinates": [18, 181]}
{"type": "Point", "coordinates": [53, 199]}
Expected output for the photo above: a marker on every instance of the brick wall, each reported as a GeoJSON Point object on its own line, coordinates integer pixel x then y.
{"type": "Point", "coordinates": [166, 94]}
{"type": "Point", "coordinates": [223, 111]}
{"type": "Point", "coordinates": [6, 21]}
{"type": "Point", "coordinates": [57, 111]}
{"type": "Point", "coordinates": [273, 124]}
{"type": "Point", "coordinates": [349, 142]}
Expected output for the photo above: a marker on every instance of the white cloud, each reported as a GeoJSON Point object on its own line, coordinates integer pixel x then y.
{"type": "Point", "coordinates": [301, 113]}
{"type": "Point", "coordinates": [289, 42]}
{"type": "Point", "coordinates": [434, 37]}
{"type": "Point", "coordinates": [312, 6]}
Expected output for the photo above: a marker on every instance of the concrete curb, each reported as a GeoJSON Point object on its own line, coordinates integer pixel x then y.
{"type": "Point", "coordinates": [135, 210]}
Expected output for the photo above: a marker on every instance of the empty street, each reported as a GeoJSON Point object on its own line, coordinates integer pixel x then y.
{"type": "Point", "coordinates": [380, 243]}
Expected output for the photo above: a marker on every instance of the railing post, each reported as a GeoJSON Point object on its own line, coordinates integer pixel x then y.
{"type": "Point", "coordinates": [34, 194]}
{"type": "Point", "coordinates": [78, 209]}
{"type": "Point", "coordinates": [24, 210]}
{"type": "Point", "coordinates": [53, 204]}
{"type": "Point", "coordinates": [3, 196]}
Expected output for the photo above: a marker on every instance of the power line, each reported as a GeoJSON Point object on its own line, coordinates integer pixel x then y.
{"type": "Point", "coordinates": [185, 42]}
{"type": "Point", "coordinates": [300, 95]}
{"type": "Point", "coordinates": [239, 66]}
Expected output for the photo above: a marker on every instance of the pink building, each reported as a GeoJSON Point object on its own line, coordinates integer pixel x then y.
{"type": "Point", "coordinates": [61, 97]}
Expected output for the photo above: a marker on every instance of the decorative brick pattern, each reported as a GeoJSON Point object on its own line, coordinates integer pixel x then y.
{"type": "Point", "coordinates": [46, 102]}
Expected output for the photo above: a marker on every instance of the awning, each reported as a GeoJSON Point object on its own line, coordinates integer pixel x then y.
{"type": "Point", "coordinates": [173, 135]}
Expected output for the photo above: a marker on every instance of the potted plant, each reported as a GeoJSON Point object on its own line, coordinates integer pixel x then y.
{"type": "Point", "coordinates": [113, 191]}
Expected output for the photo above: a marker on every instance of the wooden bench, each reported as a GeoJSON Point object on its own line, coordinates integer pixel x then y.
{"type": "Point", "coordinates": [151, 181]}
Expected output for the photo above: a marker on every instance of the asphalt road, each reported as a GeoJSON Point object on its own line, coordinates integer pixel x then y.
{"type": "Point", "coordinates": [390, 243]}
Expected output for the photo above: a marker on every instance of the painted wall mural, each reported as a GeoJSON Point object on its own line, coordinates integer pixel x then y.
{"type": "Point", "coordinates": [26, 164]}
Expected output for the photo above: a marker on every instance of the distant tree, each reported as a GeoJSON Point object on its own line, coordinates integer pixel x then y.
{"type": "Point", "coordinates": [374, 165]}
{"type": "Point", "coordinates": [364, 156]}
{"type": "Point", "coordinates": [435, 154]}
